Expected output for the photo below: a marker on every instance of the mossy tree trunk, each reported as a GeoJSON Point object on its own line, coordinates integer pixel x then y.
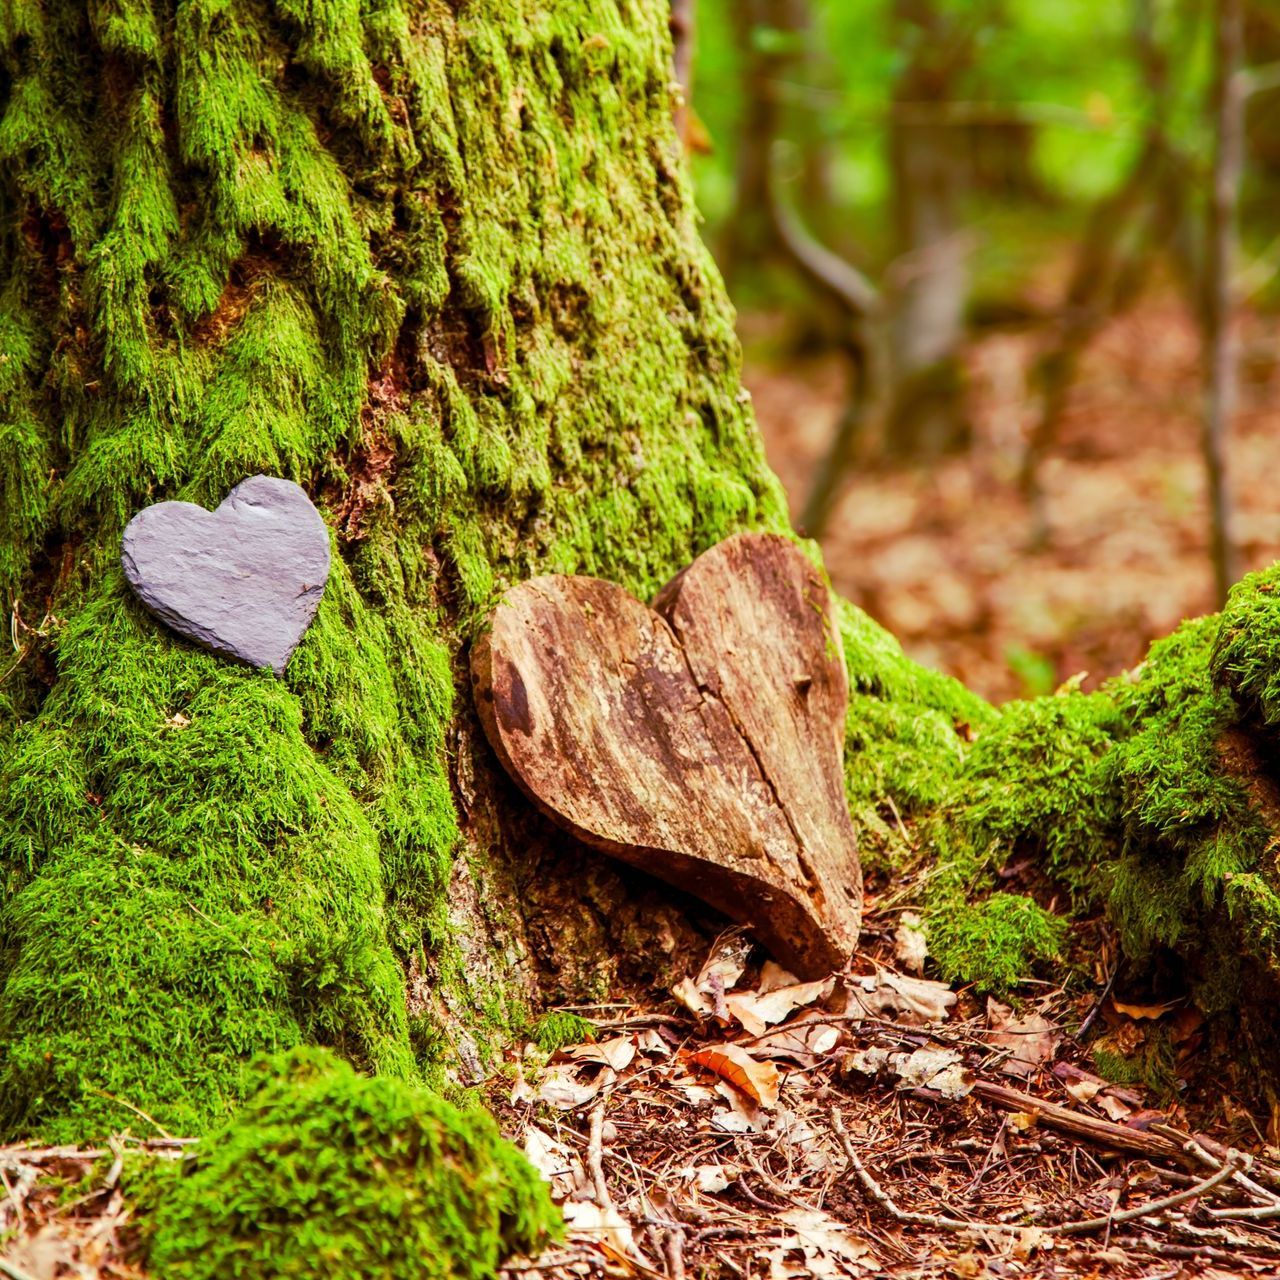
{"type": "Point", "coordinates": [438, 263]}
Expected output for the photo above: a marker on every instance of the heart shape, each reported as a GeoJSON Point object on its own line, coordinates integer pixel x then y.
{"type": "Point", "coordinates": [701, 740]}
{"type": "Point", "coordinates": [244, 581]}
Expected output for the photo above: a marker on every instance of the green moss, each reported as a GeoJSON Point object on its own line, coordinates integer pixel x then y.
{"type": "Point", "coordinates": [554, 1030]}
{"type": "Point", "coordinates": [295, 239]}
{"type": "Point", "coordinates": [994, 942]}
{"type": "Point", "coordinates": [1153, 1064]}
{"type": "Point", "coordinates": [1188, 825]}
{"type": "Point", "coordinates": [1246, 654]}
{"type": "Point", "coordinates": [326, 1171]}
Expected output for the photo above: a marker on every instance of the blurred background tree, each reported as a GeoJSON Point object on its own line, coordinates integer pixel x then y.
{"type": "Point", "coordinates": [992, 259]}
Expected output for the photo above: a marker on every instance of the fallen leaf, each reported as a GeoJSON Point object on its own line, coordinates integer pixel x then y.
{"type": "Point", "coordinates": [901, 998]}
{"type": "Point", "coordinates": [1140, 1011]}
{"type": "Point", "coordinates": [1032, 1038]}
{"type": "Point", "coordinates": [719, 973]}
{"type": "Point", "coordinates": [652, 1045]}
{"type": "Point", "coordinates": [1113, 1108]}
{"type": "Point", "coordinates": [605, 1228]}
{"type": "Point", "coordinates": [773, 976]}
{"type": "Point", "coordinates": [521, 1091]}
{"type": "Point", "coordinates": [617, 1053]}
{"type": "Point", "coordinates": [560, 1089]}
{"type": "Point", "coordinates": [823, 1242]}
{"type": "Point", "coordinates": [1085, 1090]}
{"type": "Point", "coordinates": [710, 1179]}
{"type": "Point", "coordinates": [939, 1070]}
{"type": "Point", "coordinates": [758, 1080]}
{"type": "Point", "coordinates": [758, 1012]}
{"type": "Point", "coordinates": [804, 1041]}
{"type": "Point", "coordinates": [1021, 1121]}
{"type": "Point", "coordinates": [1031, 1240]}
{"type": "Point", "coordinates": [557, 1164]}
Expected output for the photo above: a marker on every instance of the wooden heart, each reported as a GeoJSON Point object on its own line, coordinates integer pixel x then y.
{"type": "Point", "coordinates": [244, 580]}
{"type": "Point", "coordinates": [701, 740]}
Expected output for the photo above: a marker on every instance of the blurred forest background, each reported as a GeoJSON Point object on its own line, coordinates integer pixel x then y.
{"type": "Point", "coordinates": [1008, 281]}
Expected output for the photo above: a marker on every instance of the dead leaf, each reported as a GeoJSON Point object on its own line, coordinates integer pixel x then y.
{"type": "Point", "coordinates": [561, 1089]}
{"type": "Point", "coordinates": [773, 976]}
{"type": "Point", "coordinates": [1085, 1090]}
{"type": "Point", "coordinates": [521, 1091]}
{"type": "Point", "coordinates": [704, 995]}
{"type": "Point", "coordinates": [939, 1070]}
{"type": "Point", "coordinates": [605, 1228]}
{"type": "Point", "coordinates": [1032, 1038]}
{"type": "Point", "coordinates": [909, 946]}
{"type": "Point", "coordinates": [1113, 1108]}
{"type": "Point", "coordinates": [1031, 1240]}
{"type": "Point", "coordinates": [758, 1080]}
{"type": "Point", "coordinates": [617, 1053]}
{"type": "Point", "coordinates": [739, 1114]}
{"type": "Point", "coordinates": [901, 998]}
{"type": "Point", "coordinates": [710, 1179]}
{"type": "Point", "coordinates": [1141, 1011]}
{"type": "Point", "coordinates": [758, 1012]}
{"type": "Point", "coordinates": [652, 1045]}
{"type": "Point", "coordinates": [557, 1164]}
{"type": "Point", "coordinates": [823, 1244]}
{"type": "Point", "coordinates": [804, 1041]}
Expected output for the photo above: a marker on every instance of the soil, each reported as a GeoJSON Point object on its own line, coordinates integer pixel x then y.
{"type": "Point", "coordinates": [941, 551]}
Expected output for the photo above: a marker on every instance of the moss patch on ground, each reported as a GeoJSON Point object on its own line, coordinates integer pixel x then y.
{"type": "Point", "coordinates": [327, 1172]}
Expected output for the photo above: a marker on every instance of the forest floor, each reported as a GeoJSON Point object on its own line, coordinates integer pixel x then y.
{"type": "Point", "coordinates": [883, 1125]}
{"type": "Point", "coordinates": [941, 553]}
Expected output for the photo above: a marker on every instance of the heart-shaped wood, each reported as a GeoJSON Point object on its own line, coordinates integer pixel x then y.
{"type": "Point", "coordinates": [701, 740]}
{"type": "Point", "coordinates": [244, 580]}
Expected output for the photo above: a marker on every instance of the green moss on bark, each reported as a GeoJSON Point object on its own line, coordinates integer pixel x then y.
{"type": "Point", "coordinates": [443, 271]}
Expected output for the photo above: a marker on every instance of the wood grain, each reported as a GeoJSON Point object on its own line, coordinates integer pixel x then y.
{"type": "Point", "coordinates": [701, 740]}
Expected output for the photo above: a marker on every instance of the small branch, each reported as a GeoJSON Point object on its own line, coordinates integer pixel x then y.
{"type": "Point", "coordinates": [1093, 1128]}
{"type": "Point", "coordinates": [1228, 1171]}
{"type": "Point", "coordinates": [595, 1156]}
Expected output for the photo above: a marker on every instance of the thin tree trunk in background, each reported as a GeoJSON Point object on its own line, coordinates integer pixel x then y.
{"type": "Point", "coordinates": [768, 64]}
{"type": "Point", "coordinates": [930, 283]}
{"type": "Point", "coordinates": [683, 16]}
{"type": "Point", "coordinates": [749, 235]}
{"type": "Point", "coordinates": [1219, 338]}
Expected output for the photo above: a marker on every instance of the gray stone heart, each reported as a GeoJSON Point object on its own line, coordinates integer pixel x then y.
{"type": "Point", "coordinates": [244, 580]}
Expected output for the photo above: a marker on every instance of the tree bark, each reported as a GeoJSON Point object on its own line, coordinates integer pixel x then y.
{"type": "Point", "coordinates": [439, 265]}
{"type": "Point", "coordinates": [929, 279]}
{"type": "Point", "coordinates": [1220, 356]}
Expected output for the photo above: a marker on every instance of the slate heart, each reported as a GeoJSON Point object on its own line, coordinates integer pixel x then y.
{"type": "Point", "coordinates": [244, 581]}
{"type": "Point", "coordinates": [701, 740]}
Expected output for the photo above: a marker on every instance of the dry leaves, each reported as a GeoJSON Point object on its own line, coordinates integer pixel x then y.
{"type": "Point", "coordinates": [759, 1081]}
{"type": "Point", "coordinates": [1031, 1039]}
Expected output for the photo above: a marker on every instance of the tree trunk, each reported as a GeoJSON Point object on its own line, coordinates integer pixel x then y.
{"type": "Point", "coordinates": [437, 263]}
{"type": "Point", "coordinates": [929, 279]}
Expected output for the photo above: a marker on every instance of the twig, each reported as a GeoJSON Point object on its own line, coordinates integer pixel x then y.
{"type": "Point", "coordinates": [1151, 1207]}
{"type": "Point", "coordinates": [1092, 1015]}
{"type": "Point", "coordinates": [14, 1273]}
{"type": "Point", "coordinates": [1077, 1123]}
{"type": "Point", "coordinates": [675, 1253]}
{"type": "Point", "coordinates": [890, 1205]}
{"type": "Point", "coordinates": [595, 1156]}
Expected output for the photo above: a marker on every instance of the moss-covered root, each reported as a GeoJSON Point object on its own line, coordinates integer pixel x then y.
{"type": "Point", "coordinates": [325, 1172]}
